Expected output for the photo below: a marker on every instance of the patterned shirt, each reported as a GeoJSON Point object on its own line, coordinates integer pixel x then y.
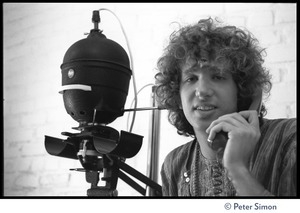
{"type": "Point", "coordinates": [273, 163]}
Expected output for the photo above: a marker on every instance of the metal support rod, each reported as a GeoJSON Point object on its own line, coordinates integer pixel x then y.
{"type": "Point", "coordinates": [128, 169]}
{"type": "Point", "coordinates": [153, 147]}
{"type": "Point", "coordinates": [143, 108]}
{"type": "Point", "coordinates": [131, 183]}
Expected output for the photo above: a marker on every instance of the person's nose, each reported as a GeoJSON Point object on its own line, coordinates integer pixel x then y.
{"type": "Point", "coordinates": [203, 88]}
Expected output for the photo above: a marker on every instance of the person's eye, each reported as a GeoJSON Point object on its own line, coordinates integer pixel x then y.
{"type": "Point", "coordinates": [219, 77]}
{"type": "Point", "coordinates": [190, 79]}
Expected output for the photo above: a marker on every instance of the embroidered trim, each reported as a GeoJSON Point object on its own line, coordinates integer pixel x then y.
{"type": "Point", "coordinates": [210, 177]}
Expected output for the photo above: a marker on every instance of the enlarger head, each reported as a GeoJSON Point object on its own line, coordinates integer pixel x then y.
{"type": "Point", "coordinates": [95, 81]}
{"type": "Point", "coordinates": [95, 78]}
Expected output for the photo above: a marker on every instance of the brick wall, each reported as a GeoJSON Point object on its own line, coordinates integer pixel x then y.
{"type": "Point", "coordinates": [36, 37]}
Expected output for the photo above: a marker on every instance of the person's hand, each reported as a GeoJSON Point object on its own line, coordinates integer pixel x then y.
{"type": "Point", "coordinates": [243, 134]}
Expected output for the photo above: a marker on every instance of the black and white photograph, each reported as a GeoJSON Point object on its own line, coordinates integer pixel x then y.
{"type": "Point", "coordinates": [151, 100]}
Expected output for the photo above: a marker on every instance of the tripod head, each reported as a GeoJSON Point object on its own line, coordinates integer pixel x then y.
{"type": "Point", "coordinates": [101, 149]}
{"type": "Point", "coordinates": [92, 143]}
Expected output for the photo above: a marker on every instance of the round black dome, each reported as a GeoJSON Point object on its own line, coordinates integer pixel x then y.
{"type": "Point", "coordinates": [102, 64]}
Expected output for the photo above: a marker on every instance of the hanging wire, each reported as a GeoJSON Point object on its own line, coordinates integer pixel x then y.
{"type": "Point", "coordinates": [131, 66]}
{"type": "Point", "coordinates": [150, 84]}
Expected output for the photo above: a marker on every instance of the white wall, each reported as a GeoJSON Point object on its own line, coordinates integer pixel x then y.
{"type": "Point", "coordinates": [36, 37]}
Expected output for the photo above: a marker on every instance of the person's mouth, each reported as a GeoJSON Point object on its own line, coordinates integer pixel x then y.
{"type": "Point", "coordinates": [205, 107]}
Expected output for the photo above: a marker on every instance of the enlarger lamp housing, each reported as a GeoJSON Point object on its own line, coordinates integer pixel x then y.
{"type": "Point", "coordinates": [95, 79]}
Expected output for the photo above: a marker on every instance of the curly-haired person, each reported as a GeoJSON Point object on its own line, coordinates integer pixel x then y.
{"type": "Point", "coordinates": [209, 75]}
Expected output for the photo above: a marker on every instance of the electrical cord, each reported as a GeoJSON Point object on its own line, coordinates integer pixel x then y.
{"type": "Point", "coordinates": [150, 84]}
{"type": "Point", "coordinates": [131, 66]}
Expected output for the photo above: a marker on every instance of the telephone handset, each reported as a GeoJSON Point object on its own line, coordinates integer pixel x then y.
{"type": "Point", "coordinates": [221, 138]}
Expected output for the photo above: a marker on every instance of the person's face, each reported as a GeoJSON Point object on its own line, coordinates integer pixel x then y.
{"type": "Point", "coordinates": [207, 92]}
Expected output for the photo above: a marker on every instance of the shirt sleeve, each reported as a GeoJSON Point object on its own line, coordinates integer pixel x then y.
{"type": "Point", "coordinates": [165, 181]}
{"type": "Point", "coordinates": [168, 184]}
{"type": "Point", "coordinates": [288, 179]}
{"type": "Point", "coordinates": [285, 162]}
